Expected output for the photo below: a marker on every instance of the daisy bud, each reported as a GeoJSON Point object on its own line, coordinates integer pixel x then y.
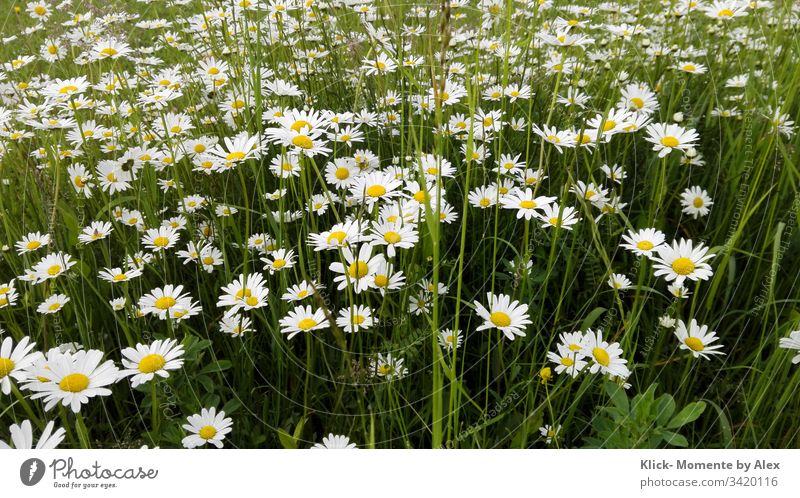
{"type": "Point", "coordinates": [677, 117]}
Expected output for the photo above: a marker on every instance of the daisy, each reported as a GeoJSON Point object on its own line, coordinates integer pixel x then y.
{"type": "Point", "coordinates": [355, 318]}
{"type": "Point", "coordinates": [160, 239]}
{"type": "Point", "coordinates": [553, 216]}
{"type": "Point", "coordinates": [53, 304]}
{"type": "Point", "coordinates": [681, 261]}
{"type": "Point", "coordinates": [51, 266]}
{"type": "Point", "coordinates": [333, 442]}
{"type": "Point", "coordinates": [22, 437]}
{"type": "Point", "coordinates": [643, 242]}
{"type": "Point", "coordinates": [483, 197]}
{"type": "Point", "coordinates": [341, 172]}
{"type": "Point", "coordinates": [619, 281]}
{"type": "Point", "coordinates": [206, 427]}
{"type": "Point", "coordinates": [117, 275]}
{"type": "Point", "coordinates": [695, 202]}
{"type": "Point", "coordinates": [450, 339]}
{"type": "Point", "coordinates": [73, 378]}
{"type": "Point", "coordinates": [525, 203]}
{"type": "Point", "coordinates": [110, 49]}
{"type": "Point", "coordinates": [8, 294]}
{"type": "Point", "coordinates": [696, 339]}
{"type": "Point", "coordinates": [235, 325]}
{"type": "Point", "coordinates": [238, 149]}
{"type": "Point", "coordinates": [388, 367]}
{"type": "Point", "coordinates": [299, 292]}
{"type": "Point", "coordinates": [14, 361]}
{"type": "Point", "coordinates": [145, 361]}
{"type": "Point", "coordinates": [279, 260]}
{"type": "Point", "coordinates": [32, 242]}
{"type": "Point", "coordinates": [394, 235]}
{"type": "Point", "coordinates": [691, 67]}
{"type": "Point", "coordinates": [374, 187]}
{"type": "Point", "coordinates": [382, 64]}
{"type": "Point", "coordinates": [567, 360]}
{"type": "Point", "coordinates": [385, 278]}
{"type": "Point", "coordinates": [166, 302]}
{"type": "Point", "coordinates": [244, 293]}
{"type": "Point", "coordinates": [606, 358]}
{"type": "Point", "coordinates": [510, 317]}
{"type": "Point", "coordinates": [357, 269]}
{"type": "Point", "coordinates": [549, 432]}
{"type": "Point", "coordinates": [97, 230]}
{"type": "Point", "coordinates": [792, 342]}
{"type": "Point", "coordinates": [667, 137]}
{"type": "Point", "coordinates": [678, 291]}
{"type": "Point", "coordinates": [303, 319]}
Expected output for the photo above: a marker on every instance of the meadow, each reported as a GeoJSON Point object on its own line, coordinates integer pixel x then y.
{"type": "Point", "coordinates": [388, 224]}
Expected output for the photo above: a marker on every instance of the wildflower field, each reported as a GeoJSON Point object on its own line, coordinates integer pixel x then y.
{"type": "Point", "coordinates": [386, 224]}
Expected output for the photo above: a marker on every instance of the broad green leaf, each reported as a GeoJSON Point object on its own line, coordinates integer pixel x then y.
{"type": "Point", "coordinates": [690, 413]}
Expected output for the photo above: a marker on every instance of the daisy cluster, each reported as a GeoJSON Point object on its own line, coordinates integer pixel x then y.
{"type": "Point", "coordinates": [291, 169]}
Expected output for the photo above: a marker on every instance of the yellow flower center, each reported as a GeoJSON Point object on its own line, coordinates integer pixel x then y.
{"type": "Point", "coordinates": [670, 141]}
{"type": "Point", "coordinates": [683, 266]}
{"type": "Point", "coordinates": [609, 125]}
{"type": "Point", "coordinates": [303, 142]}
{"type": "Point", "coordinates": [40, 11]}
{"type": "Point", "coordinates": [601, 356]}
{"type": "Point", "coordinates": [697, 202]}
{"type": "Point", "coordinates": [54, 270]}
{"type": "Point", "coordinates": [527, 204]}
{"type": "Point", "coordinates": [500, 319]}
{"type": "Point", "coordinates": [120, 277]}
{"type": "Point", "coordinates": [358, 269]}
{"type": "Point", "coordinates": [376, 191]}
{"type": "Point", "coordinates": [279, 263]}
{"type": "Point", "coordinates": [694, 344]}
{"type": "Point", "coordinates": [342, 173]}
{"type": "Point", "coordinates": [6, 366]}
{"type": "Point", "coordinates": [207, 432]}
{"type": "Point", "coordinates": [639, 103]}
{"type": "Point", "coordinates": [151, 363]}
{"type": "Point", "coordinates": [725, 13]}
{"type": "Point", "coordinates": [235, 156]}
{"type": "Point", "coordinates": [161, 241]}
{"type": "Point", "coordinates": [644, 245]}
{"type": "Point", "coordinates": [381, 280]}
{"type": "Point", "coordinates": [391, 237]}
{"type": "Point", "coordinates": [68, 89]}
{"type": "Point", "coordinates": [306, 324]}
{"type": "Point", "coordinates": [689, 67]}
{"type": "Point", "coordinates": [74, 383]}
{"type": "Point", "coordinates": [485, 202]}
{"type": "Point", "coordinates": [109, 52]}
{"type": "Point", "coordinates": [237, 104]}
{"type": "Point", "coordinates": [165, 302]}
{"type": "Point", "coordinates": [358, 319]}
{"type": "Point", "coordinates": [567, 362]}
{"type": "Point", "coordinates": [338, 236]}
{"type": "Point", "coordinates": [54, 307]}
{"type": "Point", "coordinates": [34, 244]}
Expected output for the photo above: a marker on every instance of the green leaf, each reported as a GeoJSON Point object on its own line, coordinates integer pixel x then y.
{"type": "Point", "coordinates": [617, 394]}
{"type": "Point", "coordinates": [287, 441]}
{"type": "Point", "coordinates": [217, 366]}
{"type": "Point", "coordinates": [690, 413]}
{"type": "Point", "coordinates": [664, 409]}
{"type": "Point", "coordinates": [592, 317]}
{"type": "Point", "coordinates": [675, 439]}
